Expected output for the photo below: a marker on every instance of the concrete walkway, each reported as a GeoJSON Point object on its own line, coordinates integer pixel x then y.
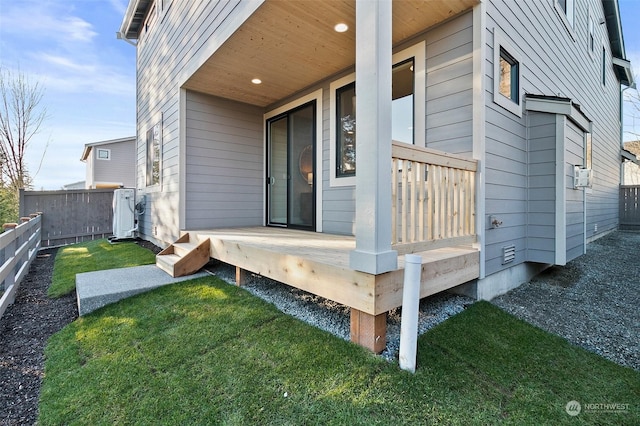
{"type": "Point", "coordinates": [100, 288]}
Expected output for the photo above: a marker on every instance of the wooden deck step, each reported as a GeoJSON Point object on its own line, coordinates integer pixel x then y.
{"type": "Point", "coordinates": [182, 249]}
{"type": "Point", "coordinates": [167, 262]}
{"type": "Point", "coordinates": [184, 257]}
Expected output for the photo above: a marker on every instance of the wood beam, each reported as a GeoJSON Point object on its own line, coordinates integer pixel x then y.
{"type": "Point", "coordinates": [241, 276]}
{"type": "Point", "coordinates": [369, 331]}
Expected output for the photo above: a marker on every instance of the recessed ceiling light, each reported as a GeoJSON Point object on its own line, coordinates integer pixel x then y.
{"type": "Point", "coordinates": [256, 81]}
{"type": "Point", "coordinates": [341, 27]}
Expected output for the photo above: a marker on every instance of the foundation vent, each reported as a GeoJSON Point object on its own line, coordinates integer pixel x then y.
{"type": "Point", "coordinates": [508, 254]}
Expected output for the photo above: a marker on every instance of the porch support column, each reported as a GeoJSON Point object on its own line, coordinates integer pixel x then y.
{"type": "Point", "coordinates": [373, 252]}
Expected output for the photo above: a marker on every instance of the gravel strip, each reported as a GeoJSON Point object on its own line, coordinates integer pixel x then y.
{"type": "Point", "coordinates": [334, 317]}
{"type": "Point", "coordinates": [593, 301]}
{"type": "Point", "coordinates": [25, 328]}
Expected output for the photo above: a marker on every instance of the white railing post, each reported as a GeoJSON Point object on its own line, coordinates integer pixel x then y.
{"type": "Point", "coordinates": [410, 305]}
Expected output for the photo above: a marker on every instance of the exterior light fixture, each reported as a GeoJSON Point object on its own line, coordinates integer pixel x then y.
{"type": "Point", "coordinates": [256, 81]}
{"type": "Point", "coordinates": [341, 27]}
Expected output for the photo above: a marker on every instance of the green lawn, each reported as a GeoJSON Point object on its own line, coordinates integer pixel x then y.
{"type": "Point", "coordinates": [94, 256]}
{"type": "Point", "coordinates": [205, 352]}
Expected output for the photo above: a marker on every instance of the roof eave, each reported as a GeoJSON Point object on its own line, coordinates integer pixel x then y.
{"type": "Point", "coordinates": [623, 71]}
{"type": "Point", "coordinates": [85, 153]}
{"type": "Point", "coordinates": [626, 155]}
{"type": "Point", "coordinates": [133, 17]}
{"type": "Point", "coordinates": [616, 40]}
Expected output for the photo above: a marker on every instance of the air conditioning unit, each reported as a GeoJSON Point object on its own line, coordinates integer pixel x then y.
{"type": "Point", "coordinates": [123, 214]}
{"type": "Point", "coordinates": [582, 178]}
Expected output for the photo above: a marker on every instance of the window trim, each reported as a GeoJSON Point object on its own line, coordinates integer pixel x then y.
{"type": "Point", "coordinates": [500, 43]}
{"type": "Point", "coordinates": [603, 65]}
{"type": "Point", "coordinates": [591, 34]}
{"type": "Point", "coordinates": [416, 51]}
{"type": "Point", "coordinates": [99, 150]}
{"type": "Point", "coordinates": [152, 134]}
{"type": "Point", "coordinates": [568, 24]}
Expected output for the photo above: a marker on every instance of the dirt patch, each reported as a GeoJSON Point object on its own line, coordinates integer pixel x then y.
{"type": "Point", "coordinates": [24, 330]}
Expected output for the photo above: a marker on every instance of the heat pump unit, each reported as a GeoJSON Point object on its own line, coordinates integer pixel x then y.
{"type": "Point", "coordinates": [123, 213]}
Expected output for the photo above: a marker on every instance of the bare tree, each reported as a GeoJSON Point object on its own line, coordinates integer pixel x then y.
{"type": "Point", "coordinates": [21, 116]}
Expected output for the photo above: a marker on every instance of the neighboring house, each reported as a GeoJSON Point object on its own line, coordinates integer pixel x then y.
{"type": "Point", "coordinates": [247, 118]}
{"type": "Point", "coordinates": [75, 185]}
{"type": "Point", "coordinates": [111, 163]}
{"type": "Point", "coordinates": [631, 163]}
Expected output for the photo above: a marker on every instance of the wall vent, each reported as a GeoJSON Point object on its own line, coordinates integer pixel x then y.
{"type": "Point", "coordinates": [508, 254]}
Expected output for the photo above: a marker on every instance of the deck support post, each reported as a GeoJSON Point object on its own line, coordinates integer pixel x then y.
{"type": "Point", "coordinates": [241, 276]}
{"type": "Point", "coordinates": [373, 253]}
{"type": "Point", "coordinates": [369, 330]}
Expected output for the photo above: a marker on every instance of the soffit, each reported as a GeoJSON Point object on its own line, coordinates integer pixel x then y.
{"type": "Point", "coordinates": [290, 45]}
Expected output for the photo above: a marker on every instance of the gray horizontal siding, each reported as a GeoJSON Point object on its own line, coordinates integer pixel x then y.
{"type": "Point", "coordinates": [224, 163]}
{"type": "Point", "coordinates": [574, 155]}
{"type": "Point", "coordinates": [449, 67]}
{"type": "Point", "coordinates": [554, 64]}
{"type": "Point", "coordinates": [165, 54]}
{"type": "Point", "coordinates": [541, 217]}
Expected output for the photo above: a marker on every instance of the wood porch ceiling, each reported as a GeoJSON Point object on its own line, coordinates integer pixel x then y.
{"type": "Point", "coordinates": [290, 45]}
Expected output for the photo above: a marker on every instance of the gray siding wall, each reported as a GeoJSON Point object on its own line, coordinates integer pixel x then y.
{"type": "Point", "coordinates": [574, 155]}
{"type": "Point", "coordinates": [541, 179]}
{"type": "Point", "coordinates": [224, 158]}
{"type": "Point", "coordinates": [555, 61]}
{"type": "Point", "coordinates": [449, 86]}
{"type": "Point", "coordinates": [167, 50]}
{"type": "Point", "coordinates": [121, 166]}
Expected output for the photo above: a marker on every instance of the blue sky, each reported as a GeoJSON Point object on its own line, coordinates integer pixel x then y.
{"type": "Point", "coordinates": [70, 47]}
{"type": "Point", "coordinates": [89, 76]}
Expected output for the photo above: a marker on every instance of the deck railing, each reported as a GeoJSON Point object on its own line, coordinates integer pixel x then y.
{"type": "Point", "coordinates": [18, 247]}
{"type": "Point", "coordinates": [433, 199]}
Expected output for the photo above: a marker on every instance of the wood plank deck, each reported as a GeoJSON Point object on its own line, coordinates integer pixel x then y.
{"type": "Point", "coordinates": [319, 263]}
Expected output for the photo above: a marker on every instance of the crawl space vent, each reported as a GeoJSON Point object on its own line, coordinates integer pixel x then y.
{"type": "Point", "coordinates": [508, 254]}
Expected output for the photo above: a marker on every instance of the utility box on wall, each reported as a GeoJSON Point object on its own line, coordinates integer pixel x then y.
{"type": "Point", "coordinates": [582, 178]}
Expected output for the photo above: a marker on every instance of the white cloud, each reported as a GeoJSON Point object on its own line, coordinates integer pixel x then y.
{"type": "Point", "coordinates": [45, 21]}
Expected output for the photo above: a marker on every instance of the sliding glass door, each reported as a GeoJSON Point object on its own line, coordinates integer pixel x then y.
{"type": "Point", "coordinates": [291, 168]}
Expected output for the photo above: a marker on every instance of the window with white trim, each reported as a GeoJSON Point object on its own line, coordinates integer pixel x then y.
{"type": "Point", "coordinates": [604, 66]}
{"type": "Point", "coordinates": [567, 9]}
{"type": "Point", "coordinates": [506, 74]}
{"type": "Point", "coordinates": [103, 154]}
{"type": "Point", "coordinates": [408, 94]}
{"type": "Point", "coordinates": [591, 40]}
{"type": "Point", "coordinates": [153, 155]}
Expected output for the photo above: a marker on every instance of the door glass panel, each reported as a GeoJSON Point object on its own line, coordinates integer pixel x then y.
{"type": "Point", "coordinates": [301, 132]}
{"type": "Point", "coordinates": [278, 171]}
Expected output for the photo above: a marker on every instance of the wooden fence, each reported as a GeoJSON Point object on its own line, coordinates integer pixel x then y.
{"type": "Point", "coordinates": [433, 199]}
{"type": "Point", "coordinates": [71, 216]}
{"type": "Point", "coordinates": [630, 207]}
{"type": "Point", "coordinates": [18, 248]}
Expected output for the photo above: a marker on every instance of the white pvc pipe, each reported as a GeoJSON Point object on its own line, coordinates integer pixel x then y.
{"type": "Point", "coordinates": [410, 305]}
